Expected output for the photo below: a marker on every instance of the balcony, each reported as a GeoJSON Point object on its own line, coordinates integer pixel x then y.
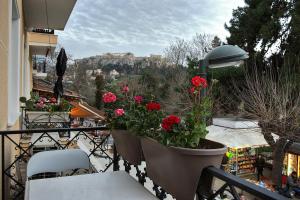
{"type": "Point", "coordinates": [104, 160]}
{"type": "Point", "coordinates": [52, 14]}
{"type": "Point", "coordinates": [41, 43]}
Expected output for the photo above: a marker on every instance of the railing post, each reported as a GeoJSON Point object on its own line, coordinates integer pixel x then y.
{"type": "Point", "coordinates": [205, 185]}
{"type": "Point", "coordinates": [116, 165]}
{"type": "Point", "coordinates": [3, 166]}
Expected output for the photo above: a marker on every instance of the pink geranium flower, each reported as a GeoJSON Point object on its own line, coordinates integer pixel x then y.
{"type": "Point", "coordinates": [119, 112]}
{"type": "Point", "coordinates": [42, 100]}
{"type": "Point", "coordinates": [138, 99]}
{"type": "Point", "coordinates": [125, 89]}
{"type": "Point", "coordinates": [40, 105]}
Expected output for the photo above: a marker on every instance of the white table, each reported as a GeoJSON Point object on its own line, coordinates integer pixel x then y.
{"type": "Point", "coordinates": [100, 186]}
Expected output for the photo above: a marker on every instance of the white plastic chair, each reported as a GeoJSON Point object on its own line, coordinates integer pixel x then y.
{"type": "Point", "coordinates": [57, 161]}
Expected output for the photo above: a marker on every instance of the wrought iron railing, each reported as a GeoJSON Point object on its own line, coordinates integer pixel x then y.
{"type": "Point", "coordinates": [45, 120]}
{"type": "Point", "coordinates": [22, 144]}
{"type": "Point", "coordinates": [231, 183]}
{"type": "Point", "coordinates": [46, 31]}
{"type": "Point", "coordinates": [97, 145]}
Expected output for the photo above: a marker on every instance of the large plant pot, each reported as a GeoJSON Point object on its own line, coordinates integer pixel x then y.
{"type": "Point", "coordinates": [128, 146]}
{"type": "Point", "coordinates": [178, 170]}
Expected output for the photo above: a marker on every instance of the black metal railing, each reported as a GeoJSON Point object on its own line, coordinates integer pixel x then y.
{"type": "Point", "coordinates": [44, 120]}
{"type": "Point", "coordinates": [22, 144]}
{"type": "Point", "coordinates": [205, 191]}
{"type": "Point", "coordinates": [96, 140]}
{"type": "Point", "coordinates": [231, 183]}
{"type": "Point", "coordinates": [46, 31]}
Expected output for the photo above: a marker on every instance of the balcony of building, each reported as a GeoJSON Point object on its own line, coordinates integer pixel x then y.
{"type": "Point", "coordinates": [40, 43]}
{"type": "Point", "coordinates": [108, 175]}
{"type": "Point", "coordinates": [50, 14]}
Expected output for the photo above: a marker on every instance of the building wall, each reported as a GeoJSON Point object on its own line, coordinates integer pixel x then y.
{"type": "Point", "coordinates": [24, 81]}
{"type": "Point", "coordinates": [4, 50]}
{"type": "Point", "coordinates": [5, 31]}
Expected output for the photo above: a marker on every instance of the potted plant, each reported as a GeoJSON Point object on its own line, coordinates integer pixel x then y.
{"type": "Point", "coordinates": [176, 155]}
{"type": "Point", "coordinates": [43, 109]}
{"type": "Point", "coordinates": [117, 109]}
{"type": "Point", "coordinates": [145, 117]}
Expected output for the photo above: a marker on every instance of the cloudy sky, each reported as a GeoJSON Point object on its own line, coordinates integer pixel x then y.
{"type": "Point", "coordinates": [142, 27]}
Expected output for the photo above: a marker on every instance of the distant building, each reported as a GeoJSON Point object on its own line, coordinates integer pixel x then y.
{"type": "Point", "coordinates": [45, 89]}
{"type": "Point", "coordinates": [91, 74]}
{"type": "Point", "coordinates": [111, 65]}
{"type": "Point", "coordinates": [113, 74]}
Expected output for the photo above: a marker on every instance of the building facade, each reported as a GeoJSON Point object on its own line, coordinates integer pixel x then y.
{"type": "Point", "coordinates": [22, 35]}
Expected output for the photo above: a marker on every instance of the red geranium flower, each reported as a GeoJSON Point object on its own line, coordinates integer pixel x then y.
{"type": "Point", "coordinates": [109, 97]}
{"type": "Point", "coordinates": [174, 119]}
{"type": "Point", "coordinates": [153, 106]}
{"type": "Point", "coordinates": [168, 122]}
{"type": "Point", "coordinates": [197, 81]}
{"type": "Point", "coordinates": [138, 99]}
{"type": "Point", "coordinates": [192, 90]}
{"type": "Point", "coordinates": [203, 83]}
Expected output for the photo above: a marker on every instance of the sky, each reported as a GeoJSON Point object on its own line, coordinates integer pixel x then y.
{"type": "Point", "coordinates": [142, 27]}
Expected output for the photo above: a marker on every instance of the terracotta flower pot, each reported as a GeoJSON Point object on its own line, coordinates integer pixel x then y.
{"type": "Point", "coordinates": [128, 146]}
{"type": "Point", "coordinates": [178, 170]}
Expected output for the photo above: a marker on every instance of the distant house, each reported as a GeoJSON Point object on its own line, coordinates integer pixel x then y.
{"type": "Point", "coordinates": [91, 74]}
{"type": "Point", "coordinates": [113, 74]}
{"type": "Point", "coordinates": [45, 88]}
{"type": "Point", "coordinates": [84, 110]}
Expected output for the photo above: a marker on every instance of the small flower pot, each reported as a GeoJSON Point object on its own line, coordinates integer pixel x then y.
{"type": "Point", "coordinates": [128, 146]}
{"type": "Point", "coordinates": [178, 170]}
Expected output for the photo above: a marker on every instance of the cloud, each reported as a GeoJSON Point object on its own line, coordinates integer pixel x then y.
{"type": "Point", "coordinates": [142, 27]}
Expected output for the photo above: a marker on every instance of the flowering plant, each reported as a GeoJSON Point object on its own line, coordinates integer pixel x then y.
{"type": "Point", "coordinates": [145, 117]}
{"type": "Point", "coordinates": [116, 106]}
{"type": "Point", "coordinates": [37, 103]}
{"type": "Point", "coordinates": [136, 113]}
{"type": "Point", "coordinates": [188, 131]}
{"type": "Point", "coordinates": [115, 112]}
{"type": "Point", "coordinates": [109, 97]}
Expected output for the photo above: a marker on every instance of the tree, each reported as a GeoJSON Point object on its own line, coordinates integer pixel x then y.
{"type": "Point", "coordinates": [274, 100]}
{"type": "Point", "coordinates": [80, 82]}
{"type": "Point", "coordinates": [176, 52]}
{"type": "Point", "coordinates": [199, 46]}
{"type": "Point", "coordinates": [268, 28]}
{"type": "Point", "coordinates": [180, 50]}
{"type": "Point", "coordinates": [216, 42]}
{"type": "Point", "coordinates": [100, 83]}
